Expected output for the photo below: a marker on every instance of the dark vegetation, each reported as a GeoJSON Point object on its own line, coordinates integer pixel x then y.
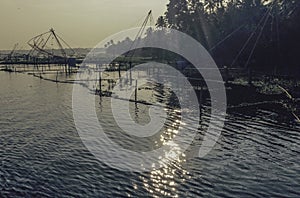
{"type": "Point", "coordinates": [257, 34]}
{"type": "Point", "coordinates": [259, 38]}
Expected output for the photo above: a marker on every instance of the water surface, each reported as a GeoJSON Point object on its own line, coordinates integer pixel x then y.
{"type": "Point", "coordinates": [41, 152]}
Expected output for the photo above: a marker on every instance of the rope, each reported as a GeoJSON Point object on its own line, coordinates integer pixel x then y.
{"type": "Point", "coordinates": [139, 34]}
{"type": "Point", "coordinates": [256, 42]}
{"type": "Point", "coordinates": [228, 36]}
{"type": "Point", "coordinates": [232, 33]}
{"type": "Point", "coordinates": [66, 44]}
{"type": "Point", "coordinates": [248, 40]}
{"type": "Point", "coordinates": [278, 42]}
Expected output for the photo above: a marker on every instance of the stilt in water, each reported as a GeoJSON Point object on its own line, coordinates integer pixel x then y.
{"type": "Point", "coordinates": [119, 70]}
{"type": "Point", "coordinates": [130, 74]}
{"type": "Point", "coordinates": [135, 92]}
{"type": "Point", "coordinates": [226, 75]}
{"type": "Point", "coordinates": [200, 100]}
{"type": "Point", "coordinates": [250, 76]}
{"type": "Point", "coordinates": [100, 85]}
{"type": "Point", "coordinates": [66, 69]}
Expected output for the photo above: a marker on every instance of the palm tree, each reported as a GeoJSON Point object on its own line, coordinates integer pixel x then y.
{"type": "Point", "coordinates": [161, 22]}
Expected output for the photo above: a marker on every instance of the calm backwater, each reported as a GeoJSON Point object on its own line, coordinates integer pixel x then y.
{"type": "Point", "coordinates": [41, 153]}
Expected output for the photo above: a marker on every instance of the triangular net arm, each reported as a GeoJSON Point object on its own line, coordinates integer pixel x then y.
{"type": "Point", "coordinates": [49, 45]}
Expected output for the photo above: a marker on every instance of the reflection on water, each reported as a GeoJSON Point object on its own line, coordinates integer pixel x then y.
{"type": "Point", "coordinates": [169, 171]}
{"type": "Point", "coordinates": [163, 180]}
{"type": "Point", "coordinates": [42, 155]}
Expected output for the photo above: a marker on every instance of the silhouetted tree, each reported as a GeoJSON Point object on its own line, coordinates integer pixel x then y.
{"type": "Point", "coordinates": [161, 22]}
{"type": "Point", "coordinates": [264, 33]}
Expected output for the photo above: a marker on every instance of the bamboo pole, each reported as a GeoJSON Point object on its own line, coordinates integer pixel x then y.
{"type": "Point", "coordinates": [136, 90]}
{"type": "Point", "coordinates": [200, 100]}
{"type": "Point", "coordinates": [100, 85]}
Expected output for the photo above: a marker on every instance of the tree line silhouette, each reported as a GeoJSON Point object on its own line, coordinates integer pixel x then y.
{"type": "Point", "coordinates": [259, 34]}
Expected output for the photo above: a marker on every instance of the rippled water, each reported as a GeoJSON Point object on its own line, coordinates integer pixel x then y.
{"type": "Point", "coordinates": [42, 155]}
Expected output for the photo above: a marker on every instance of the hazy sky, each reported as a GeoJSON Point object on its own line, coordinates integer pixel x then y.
{"type": "Point", "coordinates": [82, 23]}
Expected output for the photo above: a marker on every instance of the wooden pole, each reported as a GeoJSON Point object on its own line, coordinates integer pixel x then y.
{"type": "Point", "coordinates": [226, 75]}
{"type": "Point", "coordinates": [100, 85]}
{"type": "Point", "coordinates": [200, 100]}
{"type": "Point", "coordinates": [130, 74]}
{"type": "Point", "coordinates": [249, 76]}
{"type": "Point", "coordinates": [136, 90]}
{"type": "Point", "coordinates": [126, 75]}
{"type": "Point", "coordinates": [66, 67]}
{"type": "Point", "coordinates": [48, 62]}
{"type": "Point", "coordinates": [119, 70]}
